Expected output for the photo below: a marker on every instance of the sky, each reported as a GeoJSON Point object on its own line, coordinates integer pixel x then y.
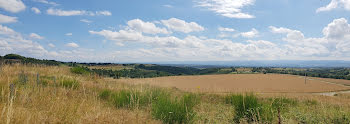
{"type": "Point", "coordinates": [120, 31]}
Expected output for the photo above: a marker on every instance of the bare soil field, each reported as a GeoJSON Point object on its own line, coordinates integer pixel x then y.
{"type": "Point", "coordinates": [259, 83]}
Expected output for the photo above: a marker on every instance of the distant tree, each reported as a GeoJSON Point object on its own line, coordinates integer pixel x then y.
{"type": "Point", "coordinates": [13, 56]}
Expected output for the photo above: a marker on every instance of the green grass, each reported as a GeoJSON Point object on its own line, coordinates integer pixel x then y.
{"type": "Point", "coordinates": [178, 110]}
{"type": "Point", "coordinates": [69, 83]}
{"type": "Point", "coordinates": [164, 106]}
{"type": "Point", "coordinates": [248, 107]}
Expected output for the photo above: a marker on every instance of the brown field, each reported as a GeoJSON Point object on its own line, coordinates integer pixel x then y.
{"type": "Point", "coordinates": [112, 67]}
{"type": "Point", "coordinates": [260, 83]}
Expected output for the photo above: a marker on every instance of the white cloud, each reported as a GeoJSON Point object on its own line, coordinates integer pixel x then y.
{"type": "Point", "coordinates": [46, 2]}
{"type": "Point", "coordinates": [36, 36]}
{"type": "Point", "coordinates": [13, 42]}
{"type": "Point", "coordinates": [146, 27]}
{"type": "Point", "coordinates": [250, 34]}
{"type": "Point", "coordinates": [227, 8]}
{"type": "Point", "coordinates": [7, 19]}
{"type": "Point", "coordinates": [334, 44]}
{"type": "Point", "coordinates": [72, 44]}
{"type": "Point", "coordinates": [226, 29]}
{"type": "Point", "coordinates": [69, 34]}
{"type": "Point", "coordinates": [335, 4]}
{"type": "Point", "coordinates": [338, 29]}
{"type": "Point", "coordinates": [13, 6]}
{"type": "Point", "coordinates": [105, 13]}
{"type": "Point", "coordinates": [168, 6]}
{"type": "Point", "coordinates": [36, 10]}
{"type": "Point", "coordinates": [85, 20]}
{"type": "Point", "coordinates": [59, 12]}
{"type": "Point", "coordinates": [181, 25]}
{"type": "Point", "coordinates": [51, 45]}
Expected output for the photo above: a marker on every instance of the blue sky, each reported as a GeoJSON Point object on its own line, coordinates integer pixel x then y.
{"type": "Point", "coordinates": [176, 30]}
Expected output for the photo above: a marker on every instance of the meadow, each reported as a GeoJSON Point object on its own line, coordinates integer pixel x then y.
{"type": "Point", "coordinates": [54, 94]}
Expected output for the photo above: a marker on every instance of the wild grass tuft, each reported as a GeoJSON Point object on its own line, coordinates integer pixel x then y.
{"type": "Point", "coordinates": [178, 110]}
{"type": "Point", "coordinates": [69, 83]}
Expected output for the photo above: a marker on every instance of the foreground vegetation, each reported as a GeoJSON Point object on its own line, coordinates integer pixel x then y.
{"type": "Point", "coordinates": [53, 94]}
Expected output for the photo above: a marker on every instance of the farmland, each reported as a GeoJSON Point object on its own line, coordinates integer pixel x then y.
{"type": "Point", "coordinates": [260, 83]}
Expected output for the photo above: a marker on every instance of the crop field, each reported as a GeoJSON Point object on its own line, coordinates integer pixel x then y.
{"type": "Point", "coordinates": [260, 83]}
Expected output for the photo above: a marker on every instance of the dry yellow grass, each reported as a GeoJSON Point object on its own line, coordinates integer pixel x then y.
{"type": "Point", "coordinates": [260, 83]}
{"type": "Point", "coordinates": [48, 104]}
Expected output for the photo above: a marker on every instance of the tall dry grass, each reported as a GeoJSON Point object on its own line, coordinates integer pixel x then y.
{"type": "Point", "coordinates": [51, 103]}
{"type": "Point", "coordinates": [63, 97]}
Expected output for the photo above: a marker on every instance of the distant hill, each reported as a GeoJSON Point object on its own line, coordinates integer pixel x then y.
{"type": "Point", "coordinates": [262, 63]}
{"type": "Point", "coordinates": [15, 58]}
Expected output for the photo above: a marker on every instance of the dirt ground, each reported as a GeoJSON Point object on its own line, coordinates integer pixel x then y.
{"type": "Point", "coordinates": [259, 83]}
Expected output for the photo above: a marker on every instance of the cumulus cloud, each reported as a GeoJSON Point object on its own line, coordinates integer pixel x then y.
{"type": "Point", "coordinates": [59, 12]}
{"type": "Point", "coordinates": [181, 25]}
{"type": "Point", "coordinates": [167, 48]}
{"type": "Point", "coordinates": [335, 43]}
{"type": "Point", "coordinates": [72, 44]}
{"type": "Point", "coordinates": [338, 29]}
{"type": "Point", "coordinates": [13, 6]}
{"type": "Point", "coordinates": [36, 36]}
{"type": "Point", "coordinates": [13, 42]}
{"type": "Point", "coordinates": [146, 27]}
{"type": "Point", "coordinates": [227, 8]}
{"type": "Point", "coordinates": [7, 19]}
{"type": "Point", "coordinates": [36, 10]}
{"type": "Point", "coordinates": [335, 4]}
{"type": "Point", "coordinates": [250, 34]}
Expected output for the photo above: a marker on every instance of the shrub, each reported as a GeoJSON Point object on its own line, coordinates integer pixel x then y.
{"type": "Point", "coordinates": [79, 70]}
{"type": "Point", "coordinates": [69, 83]}
{"type": "Point", "coordinates": [179, 110]}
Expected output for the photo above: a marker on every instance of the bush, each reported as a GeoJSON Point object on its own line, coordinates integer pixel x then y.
{"type": "Point", "coordinates": [246, 106]}
{"type": "Point", "coordinates": [175, 110]}
{"type": "Point", "coordinates": [79, 70]}
{"type": "Point", "coordinates": [69, 83]}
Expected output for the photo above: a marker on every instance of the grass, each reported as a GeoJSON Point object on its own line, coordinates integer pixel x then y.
{"type": "Point", "coordinates": [69, 83]}
{"type": "Point", "coordinates": [178, 110]}
{"type": "Point", "coordinates": [163, 106]}
{"type": "Point", "coordinates": [85, 99]}
{"type": "Point", "coordinates": [246, 106]}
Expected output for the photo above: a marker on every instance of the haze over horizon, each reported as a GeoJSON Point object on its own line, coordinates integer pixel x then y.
{"type": "Point", "coordinates": [184, 30]}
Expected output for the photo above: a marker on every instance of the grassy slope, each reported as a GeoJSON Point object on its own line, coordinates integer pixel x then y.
{"type": "Point", "coordinates": [52, 102]}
